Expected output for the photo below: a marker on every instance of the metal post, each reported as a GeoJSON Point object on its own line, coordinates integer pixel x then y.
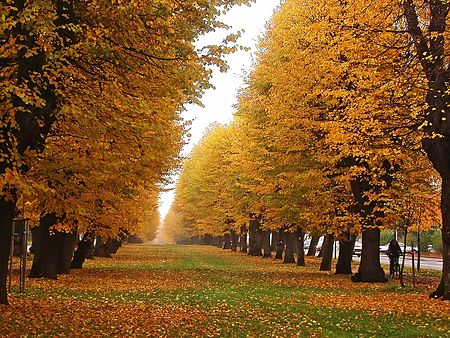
{"type": "Point", "coordinates": [11, 253]}
{"type": "Point", "coordinates": [23, 258]}
{"type": "Point", "coordinates": [418, 248]}
{"type": "Point", "coordinates": [413, 268]}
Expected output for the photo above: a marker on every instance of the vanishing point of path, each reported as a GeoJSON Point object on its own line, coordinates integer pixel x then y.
{"type": "Point", "coordinates": [197, 291]}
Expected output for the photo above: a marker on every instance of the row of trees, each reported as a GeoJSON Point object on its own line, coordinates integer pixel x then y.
{"type": "Point", "coordinates": [91, 95]}
{"type": "Point", "coordinates": [341, 130]}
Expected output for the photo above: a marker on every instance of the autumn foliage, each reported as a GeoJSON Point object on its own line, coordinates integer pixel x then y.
{"type": "Point", "coordinates": [333, 133]}
{"type": "Point", "coordinates": [91, 98]}
{"type": "Point", "coordinates": [341, 130]}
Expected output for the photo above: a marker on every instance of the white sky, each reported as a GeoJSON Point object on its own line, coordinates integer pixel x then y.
{"type": "Point", "coordinates": [219, 102]}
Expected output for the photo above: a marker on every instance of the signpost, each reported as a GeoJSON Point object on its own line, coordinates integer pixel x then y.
{"type": "Point", "coordinates": [19, 231]}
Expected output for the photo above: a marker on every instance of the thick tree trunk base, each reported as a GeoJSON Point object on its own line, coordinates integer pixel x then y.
{"type": "Point", "coordinates": [114, 245]}
{"type": "Point", "coordinates": [275, 239]}
{"type": "Point", "coordinates": [327, 250]}
{"type": "Point", "coordinates": [267, 250]}
{"type": "Point", "coordinates": [290, 248]}
{"type": "Point", "coordinates": [84, 250]}
{"type": "Point", "coordinates": [227, 242]}
{"type": "Point", "coordinates": [289, 259]}
{"type": "Point", "coordinates": [234, 240]}
{"type": "Point", "coordinates": [300, 240]}
{"type": "Point", "coordinates": [66, 248]}
{"type": "Point", "coordinates": [279, 254]}
{"type": "Point", "coordinates": [47, 251]}
{"type": "Point", "coordinates": [443, 290]}
{"type": "Point", "coordinates": [439, 292]}
{"type": "Point", "coordinates": [344, 263]}
{"type": "Point", "coordinates": [254, 235]}
{"type": "Point", "coordinates": [374, 277]}
{"type": "Point", "coordinates": [313, 246]}
{"type": "Point", "coordinates": [102, 248]}
{"type": "Point", "coordinates": [370, 269]}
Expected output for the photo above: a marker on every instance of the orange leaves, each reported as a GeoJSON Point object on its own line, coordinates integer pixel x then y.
{"type": "Point", "coordinates": [122, 76]}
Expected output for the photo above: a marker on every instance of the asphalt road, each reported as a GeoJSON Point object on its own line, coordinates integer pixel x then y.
{"type": "Point", "coordinates": [425, 262]}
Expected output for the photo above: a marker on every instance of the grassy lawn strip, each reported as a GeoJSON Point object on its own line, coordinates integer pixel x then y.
{"type": "Point", "coordinates": [204, 291]}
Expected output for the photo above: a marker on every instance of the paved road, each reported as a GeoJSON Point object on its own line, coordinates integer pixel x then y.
{"type": "Point", "coordinates": [425, 262]}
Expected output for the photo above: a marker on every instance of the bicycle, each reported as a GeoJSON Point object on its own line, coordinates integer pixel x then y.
{"type": "Point", "coordinates": [394, 267]}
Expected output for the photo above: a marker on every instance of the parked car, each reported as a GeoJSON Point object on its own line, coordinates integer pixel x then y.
{"type": "Point", "coordinates": [384, 248]}
{"type": "Point", "coordinates": [357, 249]}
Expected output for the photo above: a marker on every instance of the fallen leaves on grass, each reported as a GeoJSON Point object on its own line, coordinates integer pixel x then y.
{"type": "Point", "coordinates": [206, 292]}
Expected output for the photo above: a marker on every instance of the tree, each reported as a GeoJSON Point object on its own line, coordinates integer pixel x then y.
{"type": "Point", "coordinates": [38, 43]}
{"type": "Point", "coordinates": [427, 28]}
{"type": "Point", "coordinates": [72, 65]}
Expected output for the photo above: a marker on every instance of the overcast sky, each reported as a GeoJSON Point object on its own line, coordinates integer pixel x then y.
{"type": "Point", "coordinates": [219, 102]}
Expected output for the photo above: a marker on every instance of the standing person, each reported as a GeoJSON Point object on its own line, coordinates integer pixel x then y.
{"type": "Point", "coordinates": [393, 253]}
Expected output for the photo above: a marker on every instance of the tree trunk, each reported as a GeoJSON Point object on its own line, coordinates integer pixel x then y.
{"type": "Point", "coordinates": [300, 239]}
{"type": "Point", "coordinates": [45, 261]}
{"type": "Point", "coordinates": [6, 219]}
{"type": "Point", "coordinates": [280, 245]}
{"type": "Point", "coordinates": [114, 245]}
{"type": "Point", "coordinates": [66, 248]}
{"type": "Point", "coordinates": [437, 114]}
{"type": "Point", "coordinates": [254, 239]}
{"type": "Point", "coordinates": [243, 243]}
{"type": "Point", "coordinates": [259, 241]}
{"type": "Point", "coordinates": [208, 239]}
{"type": "Point", "coordinates": [102, 248]}
{"type": "Point", "coordinates": [267, 250]}
{"type": "Point", "coordinates": [227, 241]}
{"type": "Point", "coordinates": [344, 263]}
{"type": "Point", "coordinates": [370, 269]}
{"type": "Point", "coordinates": [243, 239]}
{"type": "Point", "coordinates": [219, 242]}
{"type": "Point", "coordinates": [52, 252]}
{"type": "Point", "coordinates": [84, 250]}
{"type": "Point", "coordinates": [443, 290]}
{"type": "Point", "coordinates": [234, 240]}
{"type": "Point", "coordinates": [320, 255]}
{"type": "Point", "coordinates": [290, 248]}
{"type": "Point", "coordinates": [275, 239]}
{"type": "Point", "coordinates": [313, 246]}
{"type": "Point", "coordinates": [327, 253]}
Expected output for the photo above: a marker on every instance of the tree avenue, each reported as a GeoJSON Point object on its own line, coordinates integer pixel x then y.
{"type": "Point", "coordinates": [334, 133]}
{"type": "Point", "coordinates": [91, 98]}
